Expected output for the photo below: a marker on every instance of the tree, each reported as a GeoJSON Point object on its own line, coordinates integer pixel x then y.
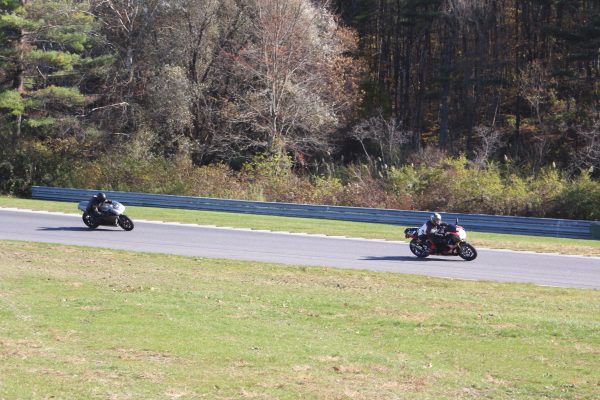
{"type": "Point", "coordinates": [209, 29]}
{"type": "Point", "coordinates": [127, 26]}
{"type": "Point", "coordinates": [586, 156]}
{"type": "Point", "coordinates": [386, 136]}
{"type": "Point", "coordinates": [46, 59]}
{"type": "Point", "coordinates": [291, 87]}
{"type": "Point", "coordinates": [490, 139]}
{"type": "Point", "coordinates": [534, 86]}
{"type": "Point", "coordinates": [445, 67]}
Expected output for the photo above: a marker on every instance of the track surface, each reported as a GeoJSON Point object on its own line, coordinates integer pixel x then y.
{"type": "Point", "coordinates": [193, 240]}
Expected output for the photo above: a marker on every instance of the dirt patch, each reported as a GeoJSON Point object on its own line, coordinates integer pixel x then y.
{"type": "Point", "coordinates": [404, 315]}
{"type": "Point", "coordinates": [327, 358]}
{"type": "Point", "coordinates": [145, 355]}
{"type": "Point", "coordinates": [347, 369]}
{"type": "Point", "coordinates": [19, 348]}
{"type": "Point", "coordinates": [495, 381]}
{"type": "Point", "coordinates": [177, 394]}
{"type": "Point", "coordinates": [62, 336]}
{"type": "Point", "coordinates": [101, 376]}
{"type": "Point", "coordinates": [301, 368]}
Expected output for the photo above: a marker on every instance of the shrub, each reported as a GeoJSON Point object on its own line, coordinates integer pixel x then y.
{"type": "Point", "coordinates": [269, 177]}
{"type": "Point", "coordinates": [406, 184]}
{"type": "Point", "coordinates": [327, 191]}
{"type": "Point", "coordinates": [452, 184]}
{"type": "Point", "coordinates": [370, 192]}
{"type": "Point", "coordinates": [544, 191]}
{"type": "Point", "coordinates": [515, 196]}
{"type": "Point", "coordinates": [217, 180]}
{"type": "Point", "coordinates": [580, 199]}
{"type": "Point", "coordinates": [6, 177]}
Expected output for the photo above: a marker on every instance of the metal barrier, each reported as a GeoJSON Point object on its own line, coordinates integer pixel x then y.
{"type": "Point", "coordinates": [476, 222]}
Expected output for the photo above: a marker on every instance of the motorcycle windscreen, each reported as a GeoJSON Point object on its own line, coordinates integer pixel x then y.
{"type": "Point", "coordinates": [451, 228]}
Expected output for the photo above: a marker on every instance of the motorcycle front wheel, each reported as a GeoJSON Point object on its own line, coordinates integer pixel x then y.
{"type": "Point", "coordinates": [418, 249]}
{"type": "Point", "coordinates": [467, 252]}
{"type": "Point", "coordinates": [89, 221]}
{"type": "Point", "coordinates": [125, 222]}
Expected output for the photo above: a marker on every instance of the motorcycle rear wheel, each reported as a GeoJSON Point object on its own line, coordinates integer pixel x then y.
{"type": "Point", "coordinates": [467, 252]}
{"type": "Point", "coordinates": [89, 221]}
{"type": "Point", "coordinates": [417, 249]}
{"type": "Point", "coordinates": [125, 222]}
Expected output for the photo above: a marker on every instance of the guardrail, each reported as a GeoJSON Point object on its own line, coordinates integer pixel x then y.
{"type": "Point", "coordinates": [476, 222]}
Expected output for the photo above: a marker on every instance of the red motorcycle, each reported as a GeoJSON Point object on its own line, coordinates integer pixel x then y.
{"type": "Point", "coordinates": [454, 243]}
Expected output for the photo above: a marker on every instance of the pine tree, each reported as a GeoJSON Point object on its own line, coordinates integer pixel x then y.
{"type": "Point", "coordinates": [45, 49]}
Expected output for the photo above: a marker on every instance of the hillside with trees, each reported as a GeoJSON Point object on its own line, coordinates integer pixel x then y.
{"type": "Point", "coordinates": [458, 105]}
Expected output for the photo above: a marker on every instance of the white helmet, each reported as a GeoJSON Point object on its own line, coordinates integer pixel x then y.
{"type": "Point", "coordinates": [436, 218]}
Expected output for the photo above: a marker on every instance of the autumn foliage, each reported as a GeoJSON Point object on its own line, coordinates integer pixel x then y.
{"type": "Point", "coordinates": [383, 103]}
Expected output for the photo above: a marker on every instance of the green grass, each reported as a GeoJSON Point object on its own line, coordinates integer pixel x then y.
{"type": "Point", "coordinates": [79, 323]}
{"type": "Point", "coordinates": [328, 227]}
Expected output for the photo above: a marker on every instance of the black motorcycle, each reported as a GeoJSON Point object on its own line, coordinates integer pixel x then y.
{"type": "Point", "coordinates": [111, 214]}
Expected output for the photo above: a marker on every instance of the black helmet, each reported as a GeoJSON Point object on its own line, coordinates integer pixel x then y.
{"type": "Point", "coordinates": [101, 196]}
{"type": "Point", "coordinates": [436, 218]}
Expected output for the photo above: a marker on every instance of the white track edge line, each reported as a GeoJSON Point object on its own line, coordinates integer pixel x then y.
{"type": "Point", "coordinates": [24, 210]}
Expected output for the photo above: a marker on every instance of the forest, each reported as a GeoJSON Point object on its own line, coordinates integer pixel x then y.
{"type": "Point", "coordinates": [487, 106]}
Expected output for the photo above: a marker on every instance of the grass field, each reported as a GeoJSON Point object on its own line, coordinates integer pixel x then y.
{"type": "Point", "coordinates": [79, 323]}
{"type": "Point", "coordinates": [328, 227]}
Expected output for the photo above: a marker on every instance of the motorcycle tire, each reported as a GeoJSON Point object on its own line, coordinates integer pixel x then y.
{"type": "Point", "coordinates": [89, 221]}
{"type": "Point", "coordinates": [418, 249]}
{"type": "Point", "coordinates": [467, 252]}
{"type": "Point", "coordinates": [125, 222]}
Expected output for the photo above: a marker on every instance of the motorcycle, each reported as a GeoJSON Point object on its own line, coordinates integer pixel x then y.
{"type": "Point", "coordinates": [454, 243]}
{"type": "Point", "coordinates": [111, 214]}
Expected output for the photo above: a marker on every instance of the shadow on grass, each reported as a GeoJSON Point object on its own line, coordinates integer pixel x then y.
{"type": "Point", "coordinates": [412, 258]}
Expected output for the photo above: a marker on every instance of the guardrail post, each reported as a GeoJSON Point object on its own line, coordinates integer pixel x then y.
{"type": "Point", "coordinates": [595, 230]}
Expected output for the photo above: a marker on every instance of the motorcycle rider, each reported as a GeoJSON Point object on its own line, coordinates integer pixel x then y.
{"type": "Point", "coordinates": [95, 203]}
{"type": "Point", "coordinates": [433, 230]}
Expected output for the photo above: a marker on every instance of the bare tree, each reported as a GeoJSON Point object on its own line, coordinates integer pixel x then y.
{"type": "Point", "coordinates": [190, 35]}
{"type": "Point", "coordinates": [588, 155]}
{"type": "Point", "coordinates": [286, 66]}
{"type": "Point", "coordinates": [126, 22]}
{"type": "Point", "coordinates": [125, 27]}
{"type": "Point", "coordinates": [490, 139]}
{"type": "Point", "coordinates": [464, 19]}
{"type": "Point", "coordinates": [386, 135]}
{"type": "Point", "coordinates": [465, 11]}
{"type": "Point", "coordinates": [169, 96]}
{"type": "Point", "coordinates": [534, 86]}
{"type": "Point", "coordinates": [538, 151]}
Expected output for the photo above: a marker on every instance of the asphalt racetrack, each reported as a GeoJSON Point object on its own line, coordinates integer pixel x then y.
{"type": "Point", "coordinates": [300, 249]}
